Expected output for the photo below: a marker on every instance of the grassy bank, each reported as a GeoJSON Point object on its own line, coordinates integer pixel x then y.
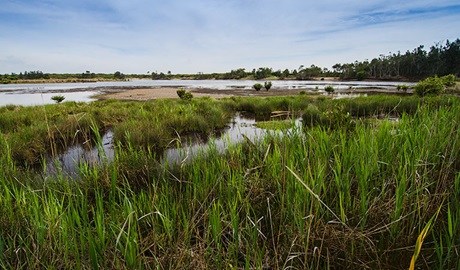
{"type": "Point", "coordinates": [308, 198]}
{"type": "Point", "coordinates": [34, 131]}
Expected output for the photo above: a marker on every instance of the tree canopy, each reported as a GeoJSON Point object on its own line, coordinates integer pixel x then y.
{"type": "Point", "coordinates": [419, 63]}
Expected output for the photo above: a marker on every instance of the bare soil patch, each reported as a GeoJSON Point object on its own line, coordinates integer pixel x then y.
{"type": "Point", "coordinates": [142, 94]}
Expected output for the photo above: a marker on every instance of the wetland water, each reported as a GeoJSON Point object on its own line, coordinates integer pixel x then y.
{"type": "Point", "coordinates": [38, 94]}
{"type": "Point", "coordinates": [184, 149]}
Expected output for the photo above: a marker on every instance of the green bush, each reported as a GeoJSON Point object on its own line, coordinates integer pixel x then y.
{"type": "Point", "coordinates": [268, 85]}
{"type": "Point", "coordinates": [430, 86]}
{"type": "Point", "coordinates": [184, 95]}
{"type": "Point", "coordinates": [329, 89]}
{"type": "Point", "coordinates": [448, 80]}
{"type": "Point", "coordinates": [257, 86]}
{"type": "Point", "coordinates": [403, 87]}
{"type": "Point", "coordinates": [181, 92]}
{"type": "Point", "coordinates": [58, 99]}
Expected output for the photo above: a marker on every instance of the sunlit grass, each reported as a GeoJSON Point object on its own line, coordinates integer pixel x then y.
{"type": "Point", "coordinates": [311, 197]}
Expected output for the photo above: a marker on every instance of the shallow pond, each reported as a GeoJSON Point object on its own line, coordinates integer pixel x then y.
{"type": "Point", "coordinates": [68, 163]}
{"type": "Point", "coordinates": [182, 150]}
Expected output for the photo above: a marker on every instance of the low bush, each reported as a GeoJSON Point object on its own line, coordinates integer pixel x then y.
{"type": "Point", "coordinates": [58, 99]}
{"type": "Point", "coordinates": [430, 86]}
{"type": "Point", "coordinates": [329, 89]}
{"type": "Point", "coordinates": [267, 85]}
{"type": "Point", "coordinates": [448, 80]}
{"type": "Point", "coordinates": [184, 95]}
{"type": "Point", "coordinates": [403, 87]}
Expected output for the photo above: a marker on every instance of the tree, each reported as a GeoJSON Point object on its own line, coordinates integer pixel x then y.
{"type": "Point", "coordinates": [88, 75]}
{"type": "Point", "coordinates": [286, 73]}
{"type": "Point", "coordinates": [450, 56]}
{"type": "Point", "coordinates": [156, 76]}
{"type": "Point", "coordinates": [119, 76]}
{"type": "Point", "coordinates": [235, 74]}
{"type": "Point", "coordinates": [361, 75]}
{"type": "Point", "coordinates": [257, 86]}
{"type": "Point", "coordinates": [262, 73]}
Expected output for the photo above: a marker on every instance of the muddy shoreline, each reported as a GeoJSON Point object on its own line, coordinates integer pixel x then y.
{"type": "Point", "coordinates": [142, 94]}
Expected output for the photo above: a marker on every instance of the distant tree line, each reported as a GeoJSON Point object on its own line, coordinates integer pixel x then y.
{"type": "Point", "coordinates": [27, 75]}
{"type": "Point", "coordinates": [88, 75]}
{"type": "Point", "coordinates": [441, 60]}
{"type": "Point", "coordinates": [84, 77]}
{"type": "Point", "coordinates": [303, 73]}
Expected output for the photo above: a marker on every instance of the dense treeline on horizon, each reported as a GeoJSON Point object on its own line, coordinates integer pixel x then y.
{"type": "Point", "coordinates": [441, 59]}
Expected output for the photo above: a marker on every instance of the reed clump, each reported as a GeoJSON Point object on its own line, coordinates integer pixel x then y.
{"type": "Point", "coordinates": [309, 197]}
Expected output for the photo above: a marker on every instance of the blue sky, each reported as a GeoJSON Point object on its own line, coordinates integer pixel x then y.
{"type": "Point", "coordinates": [190, 36]}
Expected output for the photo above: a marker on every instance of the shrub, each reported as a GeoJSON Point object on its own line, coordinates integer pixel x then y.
{"type": "Point", "coordinates": [430, 86]}
{"type": "Point", "coordinates": [448, 80]}
{"type": "Point", "coordinates": [268, 85]}
{"type": "Point", "coordinates": [58, 99]}
{"type": "Point", "coordinates": [402, 87]}
{"type": "Point", "coordinates": [181, 92]}
{"type": "Point", "coordinates": [184, 95]}
{"type": "Point", "coordinates": [257, 86]}
{"type": "Point", "coordinates": [329, 89]}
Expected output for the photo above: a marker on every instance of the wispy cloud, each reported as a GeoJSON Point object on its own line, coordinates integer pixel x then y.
{"type": "Point", "coordinates": [212, 35]}
{"type": "Point", "coordinates": [398, 14]}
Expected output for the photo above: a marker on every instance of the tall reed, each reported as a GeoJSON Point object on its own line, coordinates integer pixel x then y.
{"type": "Point", "coordinates": [307, 197]}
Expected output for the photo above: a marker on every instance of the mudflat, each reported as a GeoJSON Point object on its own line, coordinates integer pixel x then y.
{"type": "Point", "coordinates": [142, 94]}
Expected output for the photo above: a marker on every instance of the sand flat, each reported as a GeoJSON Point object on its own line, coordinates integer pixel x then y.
{"type": "Point", "coordinates": [143, 94]}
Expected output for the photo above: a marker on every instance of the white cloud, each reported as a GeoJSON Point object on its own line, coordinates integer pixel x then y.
{"type": "Point", "coordinates": [212, 35]}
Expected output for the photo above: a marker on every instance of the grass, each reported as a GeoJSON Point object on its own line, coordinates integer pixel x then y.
{"type": "Point", "coordinates": [274, 125]}
{"type": "Point", "coordinates": [308, 198]}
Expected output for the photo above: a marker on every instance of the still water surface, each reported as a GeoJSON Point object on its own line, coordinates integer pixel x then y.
{"type": "Point", "coordinates": [37, 94]}
{"type": "Point", "coordinates": [70, 162]}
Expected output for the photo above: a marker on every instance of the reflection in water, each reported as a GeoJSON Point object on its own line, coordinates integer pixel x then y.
{"type": "Point", "coordinates": [240, 126]}
{"type": "Point", "coordinates": [68, 163]}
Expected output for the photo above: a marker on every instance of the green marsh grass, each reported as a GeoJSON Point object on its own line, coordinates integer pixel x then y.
{"type": "Point", "coordinates": [307, 198]}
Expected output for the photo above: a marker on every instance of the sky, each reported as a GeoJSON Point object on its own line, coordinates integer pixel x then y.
{"type": "Point", "coordinates": [191, 36]}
